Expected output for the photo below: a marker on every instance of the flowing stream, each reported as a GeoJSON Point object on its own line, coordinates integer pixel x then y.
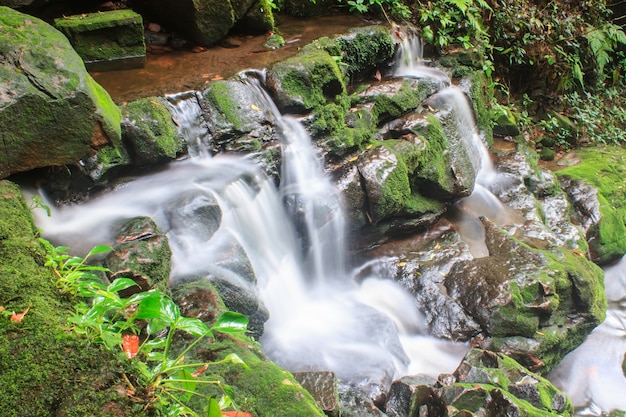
{"type": "Point", "coordinates": [368, 331]}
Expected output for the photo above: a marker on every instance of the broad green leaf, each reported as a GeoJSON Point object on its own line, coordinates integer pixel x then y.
{"type": "Point", "coordinates": [230, 322]}
{"type": "Point", "coordinates": [193, 326]}
{"type": "Point", "coordinates": [98, 250]}
{"type": "Point", "coordinates": [149, 306]}
{"type": "Point", "coordinates": [156, 325]}
{"type": "Point", "coordinates": [213, 409]}
{"type": "Point", "coordinates": [169, 309]}
{"type": "Point", "coordinates": [121, 284]}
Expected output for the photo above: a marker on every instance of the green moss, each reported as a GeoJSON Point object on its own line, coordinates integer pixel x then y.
{"type": "Point", "coordinates": [366, 48]}
{"type": "Point", "coordinates": [409, 97]}
{"type": "Point", "coordinates": [262, 389]}
{"type": "Point", "coordinates": [312, 76]}
{"type": "Point", "coordinates": [45, 368]}
{"type": "Point", "coordinates": [150, 135]}
{"type": "Point", "coordinates": [105, 36]}
{"type": "Point", "coordinates": [603, 168]}
{"type": "Point", "coordinates": [481, 94]}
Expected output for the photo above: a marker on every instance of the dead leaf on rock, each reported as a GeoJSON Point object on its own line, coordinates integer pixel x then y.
{"type": "Point", "coordinates": [17, 318]}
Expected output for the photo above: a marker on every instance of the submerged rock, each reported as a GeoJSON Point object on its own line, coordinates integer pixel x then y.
{"type": "Point", "coordinates": [45, 95]}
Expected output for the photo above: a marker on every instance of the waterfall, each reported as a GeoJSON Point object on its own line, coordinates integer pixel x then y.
{"type": "Point", "coordinates": [482, 202]}
{"type": "Point", "coordinates": [187, 116]}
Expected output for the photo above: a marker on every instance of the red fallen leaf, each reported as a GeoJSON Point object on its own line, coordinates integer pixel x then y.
{"type": "Point", "coordinates": [236, 414]}
{"type": "Point", "coordinates": [18, 317]}
{"type": "Point", "coordinates": [201, 369]}
{"type": "Point", "coordinates": [378, 76]}
{"type": "Point", "coordinates": [130, 345]}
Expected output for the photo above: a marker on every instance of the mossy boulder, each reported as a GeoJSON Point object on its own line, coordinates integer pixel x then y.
{"type": "Point", "coordinates": [532, 304]}
{"type": "Point", "coordinates": [303, 82]}
{"type": "Point", "coordinates": [238, 116]}
{"type": "Point", "coordinates": [397, 97]}
{"type": "Point", "coordinates": [386, 174]}
{"type": "Point", "coordinates": [141, 253]}
{"type": "Point", "coordinates": [603, 168]}
{"type": "Point", "coordinates": [366, 49]}
{"type": "Point", "coordinates": [46, 370]}
{"type": "Point", "coordinates": [505, 123]}
{"type": "Point", "coordinates": [487, 383]}
{"type": "Point", "coordinates": [104, 38]}
{"type": "Point", "coordinates": [148, 132]}
{"type": "Point", "coordinates": [51, 111]}
{"type": "Point", "coordinates": [260, 387]}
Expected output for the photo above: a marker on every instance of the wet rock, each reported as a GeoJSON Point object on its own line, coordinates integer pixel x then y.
{"type": "Point", "coordinates": [402, 392]}
{"type": "Point", "coordinates": [491, 384]}
{"type": "Point", "coordinates": [142, 253]}
{"type": "Point", "coordinates": [355, 403]}
{"type": "Point", "coordinates": [238, 116]}
{"type": "Point", "coordinates": [43, 76]}
{"type": "Point", "coordinates": [195, 212]}
{"type": "Point", "coordinates": [421, 268]}
{"type": "Point", "coordinates": [542, 208]}
{"type": "Point", "coordinates": [323, 387]}
{"type": "Point", "coordinates": [505, 124]}
{"type": "Point", "coordinates": [106, 40]}
{"type": "Point", "coordinates": [305, 81]}
{"type": "Point", "coordinates": [149, 133]}
{"type": "Point", "coordinates": [533, 305]}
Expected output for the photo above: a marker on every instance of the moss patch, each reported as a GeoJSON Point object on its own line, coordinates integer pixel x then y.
{"type": "Point", "coordinates": [45, 368]}
{"type": "Point", "coordinates": [603, 168]}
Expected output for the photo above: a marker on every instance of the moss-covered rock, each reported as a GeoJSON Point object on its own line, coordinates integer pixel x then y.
{"type": "Point", "coordinates": [603, 168]}
{"type": "Point", "coordinates": [106, 37]}
{"type": "Point", "coordinates": [397, 98]}
{"type": "Point", "coordinates": [51, 111]}
{"type": "Point", "coordinates": [308, 80]}
{"type": "Point", "coordinates": [366, 49]}
{"type": "Point", "coordinates": [534, 305]}
{"type": "Point", "coordinates": [149, 133]}
{"type": "Point", "coordinates": [237, 116]}
{"type": "Point", "coordinates": [488, 381]}
{"type": "Point", "coordinates": [260, 388]}
{"type": "Point", "coordinates": [142, 253]}
{"type": "Point", "coordinates": [46, 370]}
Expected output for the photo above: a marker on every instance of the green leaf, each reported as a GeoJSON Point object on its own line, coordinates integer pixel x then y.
{"type": "Point", "coordinates": [149, 306]}
{"type": "Point", "coordinates": [213, 409]}
{"type": "Point", "coordinates": [169, 309]}
{"type": "Point", "coordinates": [121, 284]}
{"type": "Point", "coordinates": [156, 325]}
{"type": "Point", "coordinates": [193, 326]}
{"type": "Point", "coordinates": [230, 322]}
{"type": "Point", "coordinates": [97, 250]}
{"type": "Point", "coordinates": [234, 358]}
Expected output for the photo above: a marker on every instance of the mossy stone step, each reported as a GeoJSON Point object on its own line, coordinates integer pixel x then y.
{"type": "Point", "coordinates": [106, 40]}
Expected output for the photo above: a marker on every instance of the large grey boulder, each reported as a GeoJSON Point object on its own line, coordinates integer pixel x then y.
{"type": "Point", "coordinates": [51, 111]}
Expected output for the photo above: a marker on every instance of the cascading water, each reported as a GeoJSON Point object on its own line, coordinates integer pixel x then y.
{"type": "Point", "coordinates": [465, 213]}
{"type": "Point", "coordinates": [321, 318]}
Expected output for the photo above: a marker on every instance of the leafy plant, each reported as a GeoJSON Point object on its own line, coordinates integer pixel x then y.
{"type": "Point", "coordinates": [143, 326]}
{"type": "Point", "coordinates": [448, 22]}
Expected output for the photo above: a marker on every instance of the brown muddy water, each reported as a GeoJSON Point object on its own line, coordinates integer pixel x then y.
{"type": "Point", "coordinates": [177, 71]}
